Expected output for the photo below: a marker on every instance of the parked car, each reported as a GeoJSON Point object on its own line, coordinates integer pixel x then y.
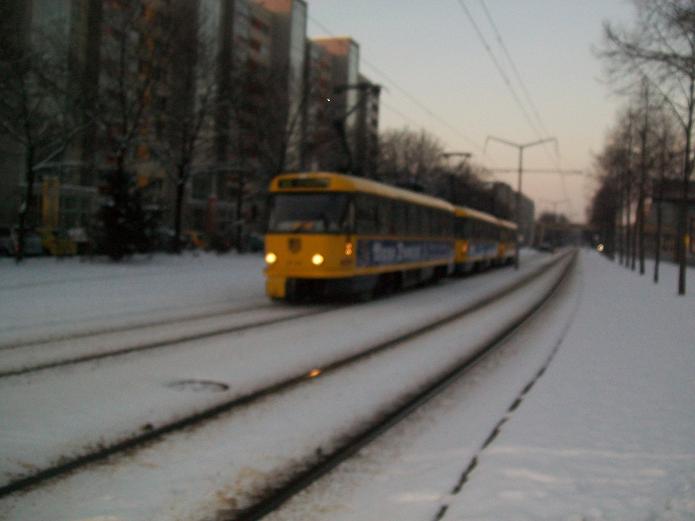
{"type": "Point", "coordinates": [9, 238]}
{"type": "Point", "coordinates": [56, 241]}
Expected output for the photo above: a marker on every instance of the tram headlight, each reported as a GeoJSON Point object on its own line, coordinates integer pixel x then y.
{"type": "Point", "coordinates": [270, 258]}
{"type": "Point", "coordinates": [317, 259]}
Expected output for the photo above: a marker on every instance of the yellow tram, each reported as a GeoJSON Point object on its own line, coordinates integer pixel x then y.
{"type": "Point", "coordinates": [482, 240]}
{"type": "Point", "coordinates": [507, 244]}
{"type": "Point", "coordinates": [337, 234]}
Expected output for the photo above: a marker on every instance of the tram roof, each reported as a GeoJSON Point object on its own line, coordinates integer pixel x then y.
{"type": "Point", "coordinates": [507, 224]}
{"type": "Point", "coordinates": [470, 213]}
{"type": "Point", "coordinates": [334, 182]}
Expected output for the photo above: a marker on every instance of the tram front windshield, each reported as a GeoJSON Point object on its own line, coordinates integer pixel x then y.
{"type": "Point", "coordinates": [309, 213]}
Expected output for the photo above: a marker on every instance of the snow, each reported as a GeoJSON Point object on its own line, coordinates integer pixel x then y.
{"type": "Point", "coordinates": [50, 297]}
{"type": "Point", "coordinates": [604, 433]}
{"type": "Point", "coordinates": [71, 410]}
{"type": "Point", "coordinates": [150, 484]}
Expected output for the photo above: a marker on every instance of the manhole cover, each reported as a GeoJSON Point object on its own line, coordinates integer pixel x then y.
{"type": "Point", "coordinates": [198, 386]}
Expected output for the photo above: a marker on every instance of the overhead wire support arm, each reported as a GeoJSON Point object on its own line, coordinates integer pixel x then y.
{"type": "Point", "coordinates": [520, 147]}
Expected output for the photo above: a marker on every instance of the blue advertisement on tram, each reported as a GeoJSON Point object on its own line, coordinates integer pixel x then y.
{"type": "Point", "coordinates": [375, 252]}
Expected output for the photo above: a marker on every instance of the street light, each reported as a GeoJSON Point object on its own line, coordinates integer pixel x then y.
{"type": "Point", "coordinates": [521, 147]}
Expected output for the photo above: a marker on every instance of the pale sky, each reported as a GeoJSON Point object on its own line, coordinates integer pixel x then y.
{"type": "Point", "coordinates": [438, 76]}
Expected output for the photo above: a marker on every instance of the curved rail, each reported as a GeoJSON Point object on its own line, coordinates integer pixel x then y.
{"type": "Point", "coordinates": [141, 438]}
{"type": "Point", "coordinates": [296, 484]}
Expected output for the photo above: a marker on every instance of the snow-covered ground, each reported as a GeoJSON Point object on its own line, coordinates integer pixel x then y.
{"type": "Point", "coordinates": [49, 297]}
{"type": "Point", "coordinates": [73, 409]}
{"type": "Point", "coordinates": [605, 432]}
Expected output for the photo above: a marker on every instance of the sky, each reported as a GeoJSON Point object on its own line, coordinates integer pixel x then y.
{"type": "Point", "coordinates": [438, 76]}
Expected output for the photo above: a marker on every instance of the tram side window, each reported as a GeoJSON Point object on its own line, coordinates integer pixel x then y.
{"type": "Point", "coordinates": [385, 218]}
{"type": "Point", "coordinates": [445, 224]}
{"type": "Point", "coordinates": [400, 217]}
{"type": "Point", "coordinates": [413, 219]}
{"type": "Point", "coordinates": [366, 214]}
{"type": "Point", "coordinates": [424, 228]}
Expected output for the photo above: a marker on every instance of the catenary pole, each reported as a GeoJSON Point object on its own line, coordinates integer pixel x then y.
{"type": "Point", "coordinates": [521, 147]}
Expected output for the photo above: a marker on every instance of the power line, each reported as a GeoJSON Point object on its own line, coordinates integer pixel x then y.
{"type": "Point", "coordinates": [499, 68]}
{"type": "Point", "coordinates": [522, 84]}
{"type": "Point", "coordinates": [514, 68]}
{"type": "Point", "coordinates": [539, 133]}
{"type": "Point", "coordinates": [396, 85]}
{"type": "Point", "coordinates": [495, 61]}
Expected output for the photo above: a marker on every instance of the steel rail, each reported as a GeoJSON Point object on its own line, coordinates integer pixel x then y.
{"type": "Point", "coordinates": [48, 339]}
{"type": "Point", "coordinates": [301, 481]}
{"type": "Point", "coordinates": [160, 343]}
{"type": "Point", "coordinates": [142, 438]}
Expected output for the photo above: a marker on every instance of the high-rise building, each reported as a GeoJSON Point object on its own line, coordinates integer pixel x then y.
{"type": "Point", "coordinates": [367, 129]}
{"type": "Point", "coordinates": [321, 140]}
{"type": "Point", "coordinates": [342, 117]}
{"type": "Point", "coordinates": [286, 95]}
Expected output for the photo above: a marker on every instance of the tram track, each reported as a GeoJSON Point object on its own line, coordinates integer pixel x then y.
{"type": "Point", "coordinates": [150, 435]}
{"type": "Point", "coordinates": [174, 319]}
{"type": "Point", "coordinates": [278, 494]}
{"type": "Point", "coordinates": [174, 339]}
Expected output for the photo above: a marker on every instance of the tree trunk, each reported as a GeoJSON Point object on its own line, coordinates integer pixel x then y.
{"type": "Point", "coordinates": [683, 214]}
{"type": "Point", "coordinates": [239, 212]}
{"type": "Point", "coordinates": [657, 253]}
{"type": "Point", "coordinates": [643, 180]}
{"type": "Point", "coordinates": [628, 229]}
{"type": "Point", "coordinates": [619, 227]}
{"type": "Point", "coordinates": [27, 203]}
{"type": "Point", "coordinates": [178, 208]}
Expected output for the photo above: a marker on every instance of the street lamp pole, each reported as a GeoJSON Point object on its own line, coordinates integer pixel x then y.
{"type": "Point", "coordinates": [520, 147]}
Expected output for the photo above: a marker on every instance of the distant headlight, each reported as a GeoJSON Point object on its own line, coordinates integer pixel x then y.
{"type": "Point", "coordinates": [270, 257]}
{"type": "Point", "coordinates": [600, 248]}
{"type": "Point", "coordinates": [317, 259]}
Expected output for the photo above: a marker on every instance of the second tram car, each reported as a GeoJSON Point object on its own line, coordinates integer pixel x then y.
{"type": "Point", "coordinates": [482, 240]}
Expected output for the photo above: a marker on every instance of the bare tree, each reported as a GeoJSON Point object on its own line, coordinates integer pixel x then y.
{"type": "Point", "coordinates": [185, 133]}
{"type": "Point", "coordinates": [410, 157]}
{"type": "Point", "coordinates": [666, 153]}
{"type": "Point", "coordinates": [39, 112]}
{"type": "Point", "coordinates": [137, 41]}
{"type": "Point", "coordinates": [661, 48]}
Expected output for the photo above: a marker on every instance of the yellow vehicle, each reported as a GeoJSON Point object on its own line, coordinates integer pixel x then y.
{"type": "Point", "coordinates": [506, 250]}
{"type": "Point", "coordinates": [57, 242]}
{"type": "Point", "coordinates": [482, 240]}
{"type": "Point", "coordinates": [334, 234]}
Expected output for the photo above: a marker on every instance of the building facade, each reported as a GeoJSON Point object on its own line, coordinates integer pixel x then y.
{"type": "Point", "coordinates": [339, 116]}
{"type": "Point", "coordinates": [281, 102]}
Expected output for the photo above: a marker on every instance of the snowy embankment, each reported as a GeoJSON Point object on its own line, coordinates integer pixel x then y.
{"type": "Point", "coordinates": [48, 297]}
{"type": "Point", "coordinates": [605, 433]}
{"type": "Point", "coordinates": [74, 409]}
{"type": "Point", "coordinates": [193, 475]}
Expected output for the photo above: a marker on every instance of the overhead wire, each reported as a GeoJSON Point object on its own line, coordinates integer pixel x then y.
{"type": "Point", "coordinates": [538, 126]}
{"type": "Point", "coordinates": [498, 66]}
{"type": "Point", "coordinates": [397, 86]}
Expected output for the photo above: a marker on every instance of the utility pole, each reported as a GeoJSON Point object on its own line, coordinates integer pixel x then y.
{"type": "Point", "coordinates": [365, 88]}
{"type": "Point", "coordinates": [520, 147]}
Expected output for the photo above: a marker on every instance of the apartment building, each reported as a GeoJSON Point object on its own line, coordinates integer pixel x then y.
{"type": "Point", "coordinates": [281, 102]}
{"type": "Point", "coordinates": [338, 117]}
